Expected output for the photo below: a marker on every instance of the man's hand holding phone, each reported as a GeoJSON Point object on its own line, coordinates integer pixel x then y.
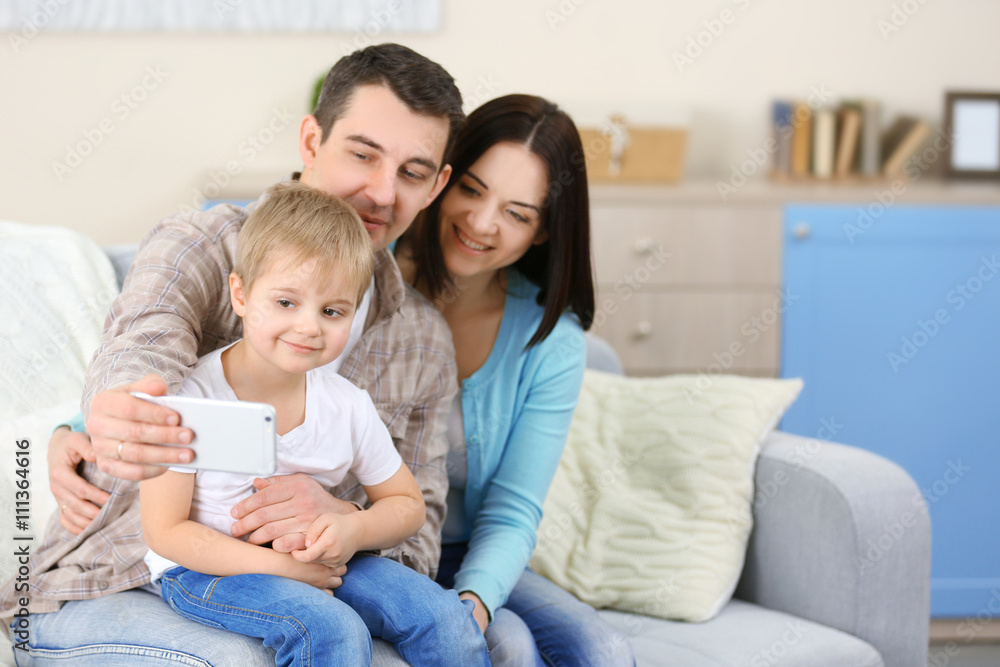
{"type": "Point", "coordinates": [128, 433]}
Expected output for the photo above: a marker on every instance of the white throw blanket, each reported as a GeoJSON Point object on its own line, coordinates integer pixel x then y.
{"type": "Point", "coordinates": [56, 288]}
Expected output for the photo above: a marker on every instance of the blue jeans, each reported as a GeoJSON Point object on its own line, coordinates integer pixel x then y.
{"type": "Point", "coordinates": [541, 624]}
{"type": "Point", "coordinates": [567, 632]}
{"type": "Point", "coordinates": [133, 628]}
{"type": "Point", "coordinates": [304, 625]}
{"type": "Point", "coordinates": [136, 628]}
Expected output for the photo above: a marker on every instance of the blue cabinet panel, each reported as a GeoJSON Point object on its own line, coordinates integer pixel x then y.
{"type": "Point", "coordinates": [893, 323]}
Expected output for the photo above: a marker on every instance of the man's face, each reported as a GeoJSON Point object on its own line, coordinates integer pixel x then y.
{"type": "Point", "coordinates": [381, 157]}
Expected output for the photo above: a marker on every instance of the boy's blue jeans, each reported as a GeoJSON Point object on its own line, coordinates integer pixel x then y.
{"type": "Point", "coordinates": [306, 626]}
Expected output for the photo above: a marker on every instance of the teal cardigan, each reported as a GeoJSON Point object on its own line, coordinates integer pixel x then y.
{"type": "Point", "coordinates": [517, 410]}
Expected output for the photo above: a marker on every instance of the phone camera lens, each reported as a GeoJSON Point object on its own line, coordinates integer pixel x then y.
{"type": "Point", "coordinates": [267, 419]}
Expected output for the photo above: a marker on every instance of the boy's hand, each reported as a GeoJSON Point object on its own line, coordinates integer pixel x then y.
{"type": "Point", "coordinates": [330, 540]}
{"type": "Point", "coordinates": [320, 575]}
{"type": "Point", "coordinates": [127, 432]}
{"type": "Point", "coordinates": [283, 509]}
{"type": "Point", "coordinates": [79, 501]}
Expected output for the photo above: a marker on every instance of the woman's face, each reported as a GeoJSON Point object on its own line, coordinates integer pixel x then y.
{"type": "Point", "coordinates": [493, 213]}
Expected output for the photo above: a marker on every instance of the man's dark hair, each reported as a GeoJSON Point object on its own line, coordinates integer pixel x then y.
{"type": "Point", "coordinates": [421, 84]}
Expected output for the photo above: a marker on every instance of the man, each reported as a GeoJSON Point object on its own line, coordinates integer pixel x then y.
{"type": "Point", "coordinates": [379, 138]}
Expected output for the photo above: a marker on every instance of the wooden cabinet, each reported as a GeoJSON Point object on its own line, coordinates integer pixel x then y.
{"type": "Point", "coordinates": [687, 284]}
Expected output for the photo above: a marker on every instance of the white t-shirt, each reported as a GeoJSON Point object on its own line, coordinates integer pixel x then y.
{"type": "Point", "coordinates": [341, 433]}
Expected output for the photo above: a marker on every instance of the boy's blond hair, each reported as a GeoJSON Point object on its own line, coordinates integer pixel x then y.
{"type": "Point", "coordinates": [308, 224]}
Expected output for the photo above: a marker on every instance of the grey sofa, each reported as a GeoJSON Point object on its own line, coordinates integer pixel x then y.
{"type": "Point", "coordinates": [837, 570]}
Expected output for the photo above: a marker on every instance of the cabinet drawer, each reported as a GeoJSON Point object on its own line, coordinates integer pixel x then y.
{"type": "Point", "coordinates": [687, 245]}
{"type": "Point", "coordinates": [691, 331]}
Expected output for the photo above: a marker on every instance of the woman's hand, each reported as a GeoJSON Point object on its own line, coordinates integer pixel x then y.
{"type": "Point", "coordinates": [479, 613]}
{"type": "Point", "coordinates": [79, 501]}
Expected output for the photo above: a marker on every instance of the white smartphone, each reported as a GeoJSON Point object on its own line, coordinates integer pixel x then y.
{"type": "Point", "coordinates": [232, 436]}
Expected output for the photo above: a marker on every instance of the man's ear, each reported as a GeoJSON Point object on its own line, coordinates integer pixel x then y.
{"type": "Point", "coordinates": [237, 295]}
{"type": "Point", "coordinates": [442, 180]}
{"type": "Point", "coordinates": [310, 137]}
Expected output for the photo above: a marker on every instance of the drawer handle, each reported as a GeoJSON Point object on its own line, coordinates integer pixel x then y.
{"type": "Point", "coordinates": [644, 245]}
{"type": "Point", "coordinates": [802, 231]}
{"type": "Point", "coordinates": [644, 329]}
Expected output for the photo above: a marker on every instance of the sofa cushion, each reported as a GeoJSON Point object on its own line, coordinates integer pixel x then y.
{"type": "Point", "coordinates": [650, 509]}
{"type": "Point", "coordinates": [741, 635]}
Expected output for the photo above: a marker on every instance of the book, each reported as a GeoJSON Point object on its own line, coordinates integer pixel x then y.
{"type": "Point", "coordinates": [871, 129]}
{"type": "Point", "coordinates": [801, 139]}
{"type": "Point", "coordinates": [824, 140]}
{"type": "Point", "coordinates": [900, 142]}
{"type": "Point", "coordinates": [783, 130]}
{"type": "Point", "coordinates": [849, 122]}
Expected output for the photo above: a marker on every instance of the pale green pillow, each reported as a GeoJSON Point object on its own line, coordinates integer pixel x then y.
{"type": "Point", "coordinates": [650, 509]}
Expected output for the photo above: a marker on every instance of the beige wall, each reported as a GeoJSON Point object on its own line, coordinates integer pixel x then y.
{"type": "Point", "coordinates": [213, 92]}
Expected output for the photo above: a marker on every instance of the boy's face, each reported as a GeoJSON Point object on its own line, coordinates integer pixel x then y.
{"type": "Point", "coordinates": [292, 319]}
{"type": "Point", "coordinates": [381, 157]}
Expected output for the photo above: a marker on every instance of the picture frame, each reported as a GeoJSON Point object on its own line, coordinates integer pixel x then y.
{"type": "Point", "coordinates": [972, 126]}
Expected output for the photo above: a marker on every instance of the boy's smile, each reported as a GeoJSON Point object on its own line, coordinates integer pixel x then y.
{"type": "Point", "coordinates": [295, 316]}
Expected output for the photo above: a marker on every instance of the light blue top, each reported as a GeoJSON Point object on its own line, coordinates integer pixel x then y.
{"type": "Point", "coordinates": [517, 410]}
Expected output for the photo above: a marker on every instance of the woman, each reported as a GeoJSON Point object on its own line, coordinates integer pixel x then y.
{"type": "Point", "coordinates": [504, 253]}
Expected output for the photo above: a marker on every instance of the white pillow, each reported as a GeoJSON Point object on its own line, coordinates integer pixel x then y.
{"type": "Point", "coordinates": [650, 509]}
{"type": "Point", "coordinates": [56, 286]}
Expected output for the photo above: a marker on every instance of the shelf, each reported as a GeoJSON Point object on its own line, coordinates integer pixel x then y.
{"type": "Point", "coordinates": [764, 192]}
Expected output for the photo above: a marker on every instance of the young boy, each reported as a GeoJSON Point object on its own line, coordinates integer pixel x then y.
{"type": "Point", "coordinates": [304, 262]}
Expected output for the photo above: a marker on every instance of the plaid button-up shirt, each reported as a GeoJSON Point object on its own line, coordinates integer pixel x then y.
{"type": "Point", "coordinates": [174, 308]}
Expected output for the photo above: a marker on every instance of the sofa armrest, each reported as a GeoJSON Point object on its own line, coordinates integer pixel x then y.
{"type": "Point", "coordinates": [121, 257]}
{"type": "Point", "coordinates": [841, 537]}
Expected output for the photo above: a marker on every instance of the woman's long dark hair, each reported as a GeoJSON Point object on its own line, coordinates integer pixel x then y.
{"type": "Point", "coordinates": [560, 266]}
